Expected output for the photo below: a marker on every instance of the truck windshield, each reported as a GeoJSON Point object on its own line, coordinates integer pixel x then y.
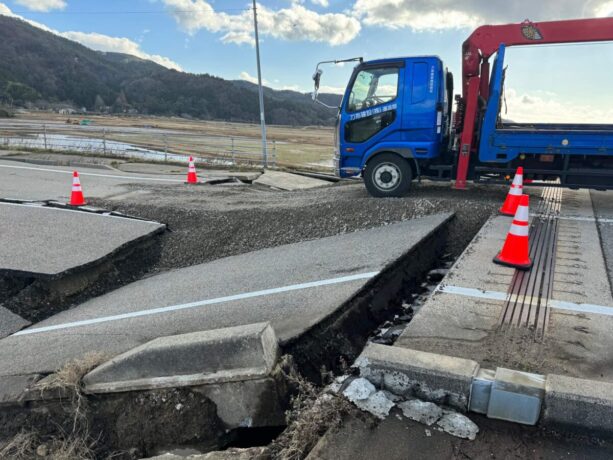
{"type": "Point", "coordinates": [373, 87]}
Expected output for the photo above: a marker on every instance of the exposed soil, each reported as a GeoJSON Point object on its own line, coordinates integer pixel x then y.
{"type": "Point", "coordinates": [207, 223]}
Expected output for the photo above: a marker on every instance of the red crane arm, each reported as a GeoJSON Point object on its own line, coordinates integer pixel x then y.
{"type": "Point", "coordinates": [485, 41]}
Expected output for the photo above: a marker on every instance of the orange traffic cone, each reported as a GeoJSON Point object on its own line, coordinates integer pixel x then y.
{"type": "Point", "coordinates": [516, 250]}
{"type": "Point", "coordinates": [76, 197]}
{"type": "Point", "coordinates": [517, 189]}
{"type": "Point", "coordinates": [191, 172]}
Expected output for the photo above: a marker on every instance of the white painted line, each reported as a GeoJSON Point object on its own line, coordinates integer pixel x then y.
{"type": "Point", "coordinates": [601, 220]}
{"type": "Point", "coordinates": [557, 304]}
{"type": "Point", "coordinates": [82, 212]}
{"type": "Point", "coordinates": [155, 311]}
{"type": "Point", "coordinates": [581, 307]}
{"type": "Point", "coordinates": [110, 176]}
{"type": "Point", "coordinates": [469, 292]}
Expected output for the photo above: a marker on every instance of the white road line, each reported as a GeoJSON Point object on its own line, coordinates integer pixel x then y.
{"type": "Point", "coordinates": [601, 220]}
{"type": "Point", "coordinates": [557, 304]}
{"type": "Point", "coordinates": [110, 176]}
{"type": "Point", "coordinates": [155, 311]}
{"type": "Point", "coordinates": [82, 212]}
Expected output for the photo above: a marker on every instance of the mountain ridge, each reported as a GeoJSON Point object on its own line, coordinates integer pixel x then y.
{"type": "Point", "coordinates": [40, 68]}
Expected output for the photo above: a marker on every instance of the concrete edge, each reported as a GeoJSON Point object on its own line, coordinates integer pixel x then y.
{"type": "Point", "coordinates": [438, 378]}
{"type": "Point", "coordinates": [161, 228]}
{"type": "Point", "coordinates": [375, 279]}
{"type": "Point", "coordinates": [578, 404]}
{"type": "Point", "coordinates": [322, 343]}
{"type": "Point", "coordinates": [565, 402]}
{"type": "Point", "coordinates": [69, 164]}
{"type": "Point", "coordinates": [159, 352]}
{"type": "Point", "coordinates": [177, 381]}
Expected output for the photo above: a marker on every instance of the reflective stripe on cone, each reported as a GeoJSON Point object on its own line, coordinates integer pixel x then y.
{"type": "Point", "coordinates": [516, 250]}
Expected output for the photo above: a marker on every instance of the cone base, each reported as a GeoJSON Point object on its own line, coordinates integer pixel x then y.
{"type": "Point", "coordinates": [506, 213]}
{"type": "Point", "coordinates": [524, 265]}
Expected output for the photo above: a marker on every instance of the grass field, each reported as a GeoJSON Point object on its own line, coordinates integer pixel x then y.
{"type": "Point", "coordinates": [304, 147]}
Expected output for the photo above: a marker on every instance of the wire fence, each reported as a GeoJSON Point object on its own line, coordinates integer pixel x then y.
{"type": "Point", "coordinates": [164, 145]}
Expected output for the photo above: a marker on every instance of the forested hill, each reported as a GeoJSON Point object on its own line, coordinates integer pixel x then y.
{"type": "Point", "coordinates": [40, 68]}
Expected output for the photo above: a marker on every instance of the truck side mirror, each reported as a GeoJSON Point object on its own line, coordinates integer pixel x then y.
{"type": "Point", "coordinates": [317, 78]}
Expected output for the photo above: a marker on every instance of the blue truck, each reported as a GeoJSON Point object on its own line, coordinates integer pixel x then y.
{"type": "Point", "coordinates": [396, 122]}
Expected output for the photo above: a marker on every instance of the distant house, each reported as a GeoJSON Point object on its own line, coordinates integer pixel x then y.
{"type": "Point", "coordinates": [66, 111]}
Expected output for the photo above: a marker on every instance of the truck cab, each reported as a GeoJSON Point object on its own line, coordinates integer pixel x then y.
{"type": "Point", "coordinates": [394, 120]}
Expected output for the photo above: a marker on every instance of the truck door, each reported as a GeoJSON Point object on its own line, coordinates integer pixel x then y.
{"type": "Point", "coordinates": [370, 110]}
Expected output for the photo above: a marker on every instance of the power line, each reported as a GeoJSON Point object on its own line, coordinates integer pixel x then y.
{"type": "Point", "coordinates": [226, 10]}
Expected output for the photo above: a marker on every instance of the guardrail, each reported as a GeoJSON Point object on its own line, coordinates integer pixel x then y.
{"type": "Point", "coordinates": [163, 145]}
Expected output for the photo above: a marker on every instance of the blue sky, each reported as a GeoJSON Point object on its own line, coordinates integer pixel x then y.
{"type": "Point", "coordinates": [215, 37]}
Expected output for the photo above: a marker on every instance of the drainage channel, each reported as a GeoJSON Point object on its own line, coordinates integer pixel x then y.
{"type": "Point", "coordinates": [530, 291]}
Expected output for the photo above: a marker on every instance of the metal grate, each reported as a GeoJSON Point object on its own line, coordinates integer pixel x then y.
{"type": "Point", "coordinates": [530, 292]}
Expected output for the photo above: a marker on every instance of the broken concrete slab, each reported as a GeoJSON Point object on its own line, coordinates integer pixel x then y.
{"type": "Point", "coordinates": [421, 411]}
{"type": "Point", "coordinates": [458, 425]}
{"type": "Point", "coordinates": [46, 242]}
{"type": "Point", "coordinates": [10, 322]}
{"type": "Point", "coordinates": [14, 388]}
{"type": "Point", "coordinates": [208, 357]}
{"type": "Point", "coordinates": [287, 181]}
{"type": "Point", "coordinates": [295, 287]}
{"type": "Point", "coordinates": [428, 376]}
{"type": "Point", "coordinates": [578, 404]}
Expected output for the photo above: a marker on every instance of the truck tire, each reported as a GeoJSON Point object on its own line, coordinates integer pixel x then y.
{"type": "Point", "coordinates": [388, 175]}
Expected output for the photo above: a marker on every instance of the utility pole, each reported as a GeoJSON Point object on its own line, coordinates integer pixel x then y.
{"type": "Point", "coordinates": [261, 90]}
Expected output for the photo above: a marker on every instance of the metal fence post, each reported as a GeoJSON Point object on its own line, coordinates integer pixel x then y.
{"type": "Point", "coordinates": [165, 147]}
{"type": "Point", "coordinates": [104, 141]}
{"type": "Point", "coordinates": [232, 151]}
{"type": "Point", "coordinates": [45, 135]}
{"type": "Point", "coordinates": [274, 154]}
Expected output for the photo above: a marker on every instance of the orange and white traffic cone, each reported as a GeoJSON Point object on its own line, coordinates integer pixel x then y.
{"type": "Point", "coordinates": [517, 189]}
{"type": "Point", "coordinates": [76, 197]}
{"type": "Point", "coordinates": [191, 172]}
{"type": "Point", "coordinates": [516, 250]}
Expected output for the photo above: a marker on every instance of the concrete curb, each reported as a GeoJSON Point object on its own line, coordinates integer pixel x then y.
{"type": "Point", "coordinates": [437, 378]}
{"type": "Point", "coordinates": [217, 356]}
{"type": "Point", "coordinates": [552, 401]}
{"type": "Point", "coordinates": [577, 403]}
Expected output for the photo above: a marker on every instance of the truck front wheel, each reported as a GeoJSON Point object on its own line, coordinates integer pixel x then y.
{"type": "Point", "coordinates": [388, 175]}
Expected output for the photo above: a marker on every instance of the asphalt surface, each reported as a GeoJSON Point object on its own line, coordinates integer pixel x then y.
{"type": "Point", "coordinates": [45, 241]}
{"type": "Point", "coordinates": [603, 209]}
{"type": "Point", "coordinates": [35, 182]}
{"type": "Point", "coordinates": [359, 254]}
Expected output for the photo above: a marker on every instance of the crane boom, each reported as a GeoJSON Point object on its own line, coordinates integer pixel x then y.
{"type": "Point", "coordinates": [486, 40]}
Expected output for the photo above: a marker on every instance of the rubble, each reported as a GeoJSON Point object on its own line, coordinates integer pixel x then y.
{"type": "Point", "coordinates": [420, 411]}
{"type": "Point", "coordinates": [458, 425]}
{"type": "Point", "coordinates": [364, 395]}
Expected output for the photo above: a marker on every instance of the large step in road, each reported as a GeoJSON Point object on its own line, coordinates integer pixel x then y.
{"type": "Point", "coordinates": [50, 253]}
{"type": "Point", "coordinates": [294, 287]}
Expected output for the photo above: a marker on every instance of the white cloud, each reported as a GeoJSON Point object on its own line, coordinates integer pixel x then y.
{"type": "Point", "coordinates": [293, 23]}
{"type": "Point", "coordinates": [106, 43]}
{"type": "Point", "coordinates": [604, 10]}
{"type": "Point", "coordinates": [324, 3]}
{"type": "Point", "coordinates": [99, 42]}
{"type": "Point", "coordinates": [251, 79]}
{"type": "Point", "coordinates": [42, 5]}
{"type": "Point", "coordinates": [546, 107]}
{"type": "Point", "coordinates": [429, 15]}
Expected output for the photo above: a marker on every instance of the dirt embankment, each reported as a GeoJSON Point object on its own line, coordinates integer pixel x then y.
{"type": "Point", "coordinates": [222, 221]}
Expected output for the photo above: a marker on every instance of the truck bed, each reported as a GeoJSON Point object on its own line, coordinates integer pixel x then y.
{"type": "Point", "coordinates": [556, 128]}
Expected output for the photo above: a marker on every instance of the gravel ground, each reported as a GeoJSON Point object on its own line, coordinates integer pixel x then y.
{"type": "Point", "coordinates": [209, 222]}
